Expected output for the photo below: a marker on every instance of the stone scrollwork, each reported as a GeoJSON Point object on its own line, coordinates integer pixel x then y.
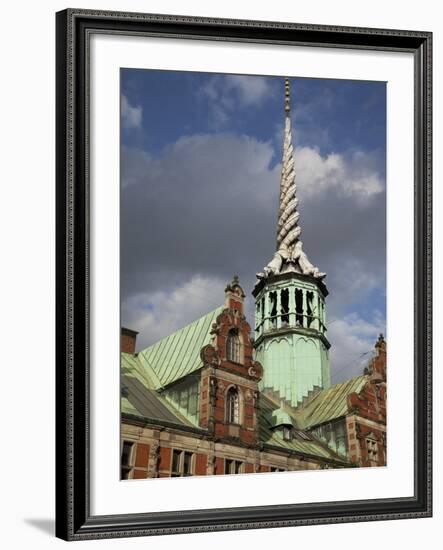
{"type": "Point", "coordinates": [255, 371]}
{"type": "Point", "coordinates": [209, 356]}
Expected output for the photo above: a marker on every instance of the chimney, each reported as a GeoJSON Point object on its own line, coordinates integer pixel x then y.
{"type": "Point", "coordinates": [128, 340]}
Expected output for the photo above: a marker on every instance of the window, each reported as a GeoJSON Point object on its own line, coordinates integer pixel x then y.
{"type": "Point", "coordinates": [232, 404]}
{"type": "Point", "coordinates": [287, 433]}
{"type": "Point", "coordinates": [127, 459]}
{"type": "Point", "coordinates": [233, 466]}
{"type": "Point", "coordinates": [185, 396]}
{"type": "Point", "coordinates": [275, 469]}
{"type": "Point", "coordinates": [182, 463]}
{"type": "Point", "coordinates": [233, 347]}
{"type": "Point", "coordinates": [372, 447]}
{"type": "Point", "coordinates": [187, 464]}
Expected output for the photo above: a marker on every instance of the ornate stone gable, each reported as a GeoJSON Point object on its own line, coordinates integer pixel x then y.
{"type": "Point", "coordinates": [230, 374]}
{"type": "Point", "coordinates": [367, 413]}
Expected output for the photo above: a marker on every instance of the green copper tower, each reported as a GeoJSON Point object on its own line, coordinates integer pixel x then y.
{"type": "Point", "coordinates": [290, 313]}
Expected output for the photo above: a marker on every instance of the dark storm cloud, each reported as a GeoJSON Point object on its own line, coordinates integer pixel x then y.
{"type": "Point", "coordinates": [198, 205]}
{"type": "Point", "coordinates": [208, 207]}
{"type": "Point", "coordinates": [204, 208]}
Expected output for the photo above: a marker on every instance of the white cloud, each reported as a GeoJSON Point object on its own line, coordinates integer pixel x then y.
{"type": "Point", "coordinates": [353, 340]}
{"type": "Point", "coordinates": [228, 92]}
{"type": "Point", "coordinates": [229, 226]}
{"type": "Point", "coordinates": [251, 90]}
{"type": "Point", "coordinates": [352, 280]}
{"type": "Point", "coordinates": [131, 116]}
{"type": "Point", "coordinates": [352, 177]}
{"type": "Point", "coordinates": [158, 314]}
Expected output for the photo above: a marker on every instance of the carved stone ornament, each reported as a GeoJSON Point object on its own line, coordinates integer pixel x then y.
{"type": "Point", "coordinates": [210, 467]}
{"type": "Point", "coordinates": [154, 456]}
{"type": "Point", "coordinates": [255, 371]}
{"type": "Point", "coordinates": [209, 356]}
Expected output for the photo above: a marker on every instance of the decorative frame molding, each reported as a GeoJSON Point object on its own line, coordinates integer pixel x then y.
{"type": "Point", "coordinates": [73, 31]}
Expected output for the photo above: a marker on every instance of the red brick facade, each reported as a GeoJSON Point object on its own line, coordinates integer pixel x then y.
{"type": "Point", "coordinates": [227, 439]}
{"type": "Point", "coordinates": [142, 455]}
{"type": "Point", "coordinates": [230, 368]}
{"type": "Point", "coordinates": [164, 466]}
{"type": "Point", "coordinates": [366, 421]}
{"type": "Point", "coordinates": [201, 464]}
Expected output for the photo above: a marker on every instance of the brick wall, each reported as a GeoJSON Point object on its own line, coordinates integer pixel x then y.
{"type": "Point", "coordinates": [201, 462]}
{"type": "Point", "coordinates": [366, 421]}
{"type": "Point", "coordinates": [142, 456]}
{"type": "Point", "coordinates": [164, 466]}
{"type": "Point", "coordinates": [128, 340]}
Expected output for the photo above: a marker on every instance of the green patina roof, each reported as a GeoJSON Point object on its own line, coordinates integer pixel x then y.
{"type": "Point", "coordinates": [268, 436]}
{"type": "Point", "coordinates": [141, 401]}
{"type": "Point", "coordinates": [127, 407]}
{"type": "Point", "coordinates": [130, 365]}
{"type": "Point", "coordinates": [328, 404]}
{"type": "Point", "coordinates": [280, 417]}
{"type": "Point", "coordinates": [178, 354]}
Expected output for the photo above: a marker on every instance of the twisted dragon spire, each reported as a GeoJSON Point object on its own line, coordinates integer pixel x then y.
{"type": "Point", "coordinates": [289, 255]}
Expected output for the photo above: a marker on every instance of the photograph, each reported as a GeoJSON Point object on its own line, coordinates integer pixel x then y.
{"type": "Point", "coordinates": [243, 244]}
{"type": "Point", "coordinates": [252, 274]}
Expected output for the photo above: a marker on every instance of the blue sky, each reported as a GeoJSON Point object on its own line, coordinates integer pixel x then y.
{"type": "Point", "coordinates": [197, 145]}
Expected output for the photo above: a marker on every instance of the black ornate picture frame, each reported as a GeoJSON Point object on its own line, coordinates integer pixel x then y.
{"type": "Point", "coordinates": [73, 517]}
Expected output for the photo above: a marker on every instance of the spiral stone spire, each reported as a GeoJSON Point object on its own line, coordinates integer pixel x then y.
{"type": "Point", "coordinates": [288, 229]}
{"type": "Point", "coordinates": [289, 255]}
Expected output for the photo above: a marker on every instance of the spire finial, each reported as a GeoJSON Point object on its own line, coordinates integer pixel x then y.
{"type": "Point", "coordinates": [289, 255]}
{"type": "Point", "coordinates": [287, 96]}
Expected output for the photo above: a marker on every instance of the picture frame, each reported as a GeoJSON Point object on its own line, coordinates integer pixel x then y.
{"type": "Point", "coordinates": [75, 27]}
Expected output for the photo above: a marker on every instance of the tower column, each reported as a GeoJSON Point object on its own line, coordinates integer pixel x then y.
{"type": "Point", "coordinates": [266, 322]}
{"type": "Point", "coordinates": [292, 306]}
{"type": "Point", "coordinates": [318, 314]}
{"type": "Point", "coordinates": [258, 319]}
{"type": "Point", "coordinates": [305, 308]}
{"type": "Point", "coordinates": [279, 312]}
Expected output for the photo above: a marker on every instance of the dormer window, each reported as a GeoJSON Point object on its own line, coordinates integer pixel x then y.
{"type": "Point", "coordinates": [233, 347]}
{"type": "Point", "coordinates": [232, 404]}
{"type": "Point", "coordinates": [281, 424]}
{"type": "Point", "coordinates": [287, 433]}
